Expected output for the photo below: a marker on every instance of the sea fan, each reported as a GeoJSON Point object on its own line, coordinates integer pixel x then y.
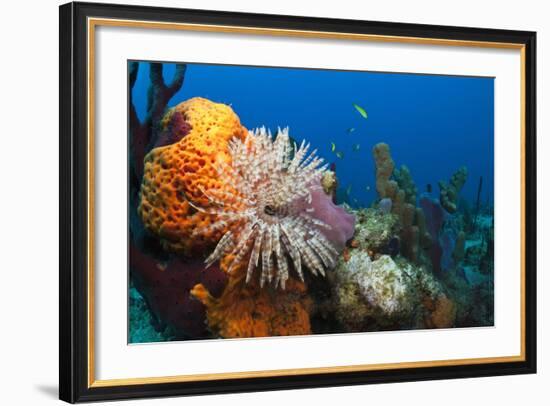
{"type": "Point", "coordinates": [265, 208]}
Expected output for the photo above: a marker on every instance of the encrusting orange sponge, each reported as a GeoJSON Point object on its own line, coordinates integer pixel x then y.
{"type": "Point", "coordinates": [245, 310]}
{"type": "Point", "coordinates": [193, 137]}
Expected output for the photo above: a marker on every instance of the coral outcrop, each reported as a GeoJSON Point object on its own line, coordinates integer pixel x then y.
{"type": "Point", "coordinates": [253, 201]}
{"type": "Point", "coordinates": [403, 200]}
{"type": "Point", "coordinates": [434, 216]}
{"type": "Point", "coordinates": [246, 310]}
{"type": "Point", "coordinates": [443, 312]}
{"type": "Point", "coordinates": [385, 186]}
{"type": "Point", "coordinates": [260, 206]}
{"type": "Point", "coordinates": [185, 170]}
{"type": "Point", "coordinates": [459, 249]}
{"type": "Point", "coordinates": [165, 286]}
{"type": "Point", "coordinates": [405, 182]}
{"type": "Point", "coordinates": [375, 232]}
{"type": "Point", "coordinates": [449, 191]}
{"type": "Point", "coordinates": [386, 293]}
{"type": "Point", "coordinates": [143, 135]}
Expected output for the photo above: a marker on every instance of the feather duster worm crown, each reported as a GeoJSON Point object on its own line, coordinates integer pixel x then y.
{"type": "Point", "coordinates": [265, 208]}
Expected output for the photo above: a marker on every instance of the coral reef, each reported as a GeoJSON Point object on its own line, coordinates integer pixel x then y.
{"type": "Point", "coordinates": [478, 203]}
{"type": "Point", "coordinates": [263, 208]}
{"type": "Point", "coordinates": [458, 252]}
{"type": "Point", "coordinates": [434, 216]}
{"type": "Point", "coordinates": [405, 182]}
{"type": "Point", "coordinates": [374, 231]}
{"type": "Point", "coordinates": [385, 205]}
{"type": "Point", "coordinates": [442, 312]}
{"type": "Point", "coordinates": [275, 207]}
{"type": "Point", "coordinates": [141, 322]}
{"type": "Point", "coordinates": [384, 294]}
{"type": "Point", "coordinates": [246, 310]}
{"type": "Point", "coordinates": [143, 135]}
{"type": "Point", "coordinates": [163, 308]}
{"type": "Point", "coordinates": [447, 241]}
{"type": "Point", "coordinates": [448, 195]}
{"type": "Point", "coordinates": [479, 251]}
{"type": "Point", "coordinates": [185, 170]}
{"type": "Point", "coordinates": [165, 287]}
{"type": "Point", "coordinates": [194, 178]}
{"type": "Point", "coordinates": [385, 186]}
{"type": "Point", "coordinates": [403, 200]}
{"type": "Point", "coordinates": [474, 302]}
{"type": "Point", "coordinates": [382, 283]}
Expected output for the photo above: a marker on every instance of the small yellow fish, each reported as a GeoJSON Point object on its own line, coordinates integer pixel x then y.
{"type": "Point", "coordinates": [340, 154]}
{"type": "Point", "coordinates": [361, 110]}
{"type": "Point", "coordinates": [332, 147]}
{"type": "Point", "coordinates": [356, 147]}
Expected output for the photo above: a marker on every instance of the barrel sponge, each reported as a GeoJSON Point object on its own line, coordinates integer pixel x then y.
{"type": "Point", "coordinates": [173, 174]}
{"type": "Point", "coordinates": [245, 310]}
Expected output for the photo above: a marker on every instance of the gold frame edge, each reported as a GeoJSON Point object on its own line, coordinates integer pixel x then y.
{"type": "Point", "coordinates": [92, 23]}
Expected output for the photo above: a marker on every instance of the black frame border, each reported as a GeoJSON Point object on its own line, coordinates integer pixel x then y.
{"type": "Point", "coordinates": [73, 178]}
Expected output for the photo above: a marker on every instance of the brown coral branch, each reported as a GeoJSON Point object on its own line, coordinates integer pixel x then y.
{"type": "Point", "coordinates": [179, 77]}
{"type": "Point", "coordinates": [143, 135]}
{"type": "Point", "coordinates": [132, 73]}
{"type": "Point", "coordinates": [160, 93]}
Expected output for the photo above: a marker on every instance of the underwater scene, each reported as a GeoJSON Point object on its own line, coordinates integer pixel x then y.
{"type": "Point", "coordinates": [270, 201]}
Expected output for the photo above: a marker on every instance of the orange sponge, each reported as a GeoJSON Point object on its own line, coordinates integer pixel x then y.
{"type": "Point", "coordinates": [245, 310]}
{"type": "Point", "coordinates": [173, 174]}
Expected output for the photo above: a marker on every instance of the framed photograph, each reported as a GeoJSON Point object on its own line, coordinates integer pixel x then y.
{"type": "Point", "coordinates": [255, 202]}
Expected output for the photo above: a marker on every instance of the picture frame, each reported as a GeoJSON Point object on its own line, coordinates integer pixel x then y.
{"type": "Point", "coordinates": [80, 163]}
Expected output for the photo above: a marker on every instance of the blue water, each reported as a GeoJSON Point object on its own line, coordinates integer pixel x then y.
{"type": "Point", "coordinates": [433, 124]}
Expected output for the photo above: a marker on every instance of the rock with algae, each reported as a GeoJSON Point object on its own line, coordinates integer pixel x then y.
{"type": "Point", "coordinates": [374, 230]}
{"type": "Point", "coordinates": [386, 294]}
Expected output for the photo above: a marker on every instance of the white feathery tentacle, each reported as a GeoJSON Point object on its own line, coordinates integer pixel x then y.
{"type": "Point", "coordinates": [265, 208]}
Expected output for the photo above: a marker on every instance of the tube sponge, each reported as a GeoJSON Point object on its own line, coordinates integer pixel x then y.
{"type": "Point", "coordinates": [384, 170]}
{"type": "Point", "coordinates": [449, 192]}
